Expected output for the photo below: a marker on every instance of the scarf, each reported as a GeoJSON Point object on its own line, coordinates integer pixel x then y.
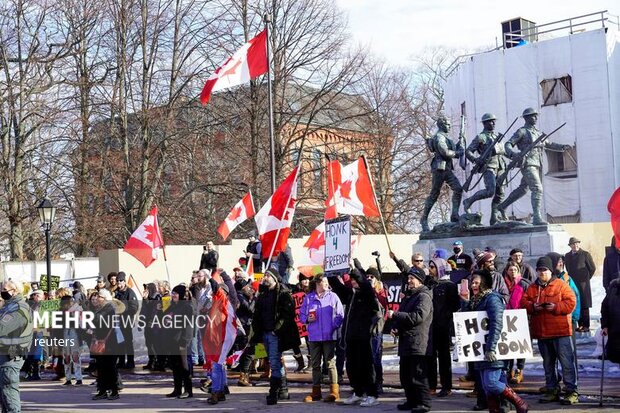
{"type": "Point", "coordinates": [475, 301]}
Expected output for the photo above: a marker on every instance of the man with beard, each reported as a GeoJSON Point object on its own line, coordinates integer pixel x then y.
{"type": "Point", "coordinates": [486, 261]}
{"type": "Point", "coordinates": [274, 324]}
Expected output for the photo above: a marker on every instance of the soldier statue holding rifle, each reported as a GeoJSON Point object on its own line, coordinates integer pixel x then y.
{"type": "Point", "coordinates": [490, 163]}
{"type": "Point", "coordinates": [525, 150]}
{"type": "Point", "coordinates": [445, 151]}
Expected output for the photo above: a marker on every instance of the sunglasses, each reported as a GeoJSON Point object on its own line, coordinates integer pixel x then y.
{"type": "Point", "coordinates": [418, 260]}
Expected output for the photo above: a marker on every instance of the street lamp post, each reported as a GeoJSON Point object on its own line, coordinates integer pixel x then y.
{"type": "Point", "coordinates": [47, 212]}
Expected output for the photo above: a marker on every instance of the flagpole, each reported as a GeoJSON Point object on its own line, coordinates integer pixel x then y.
{"type": "Point", "coordinates": [298, 166]}
{"type": "Point", "coordinates": [272, 148]}
{"type": "Point", "coordinates": [374, 193]}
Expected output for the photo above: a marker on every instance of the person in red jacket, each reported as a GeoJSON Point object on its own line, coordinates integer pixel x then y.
{"type": "Point", "coordinates": [549, 302]}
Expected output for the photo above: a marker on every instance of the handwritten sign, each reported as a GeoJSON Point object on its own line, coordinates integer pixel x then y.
{"type": "Point", "coordinates": [55, 282]}
{"type": "Point", "coordinates": [471, 329]}
{"type": "Point", "coordinates": [299, 299]}
{"type": "Point", "coordinates": [337, 245]}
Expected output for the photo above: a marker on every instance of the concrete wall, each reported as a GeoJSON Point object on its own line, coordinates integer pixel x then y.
{"type": "Point", "coordinates": [183, 259]}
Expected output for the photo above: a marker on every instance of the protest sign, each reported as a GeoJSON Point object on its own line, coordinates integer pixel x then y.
{"type": "Point", "coordinates": [47, 306]}
{"type": "Point", "coordinates": [337, 245]}
{"type": "Point", "coordinates": [471, 329]}
{"type": "Point", "coordinates": [55, 281]}
{"type": "Point", "coordinates": [299, 299]}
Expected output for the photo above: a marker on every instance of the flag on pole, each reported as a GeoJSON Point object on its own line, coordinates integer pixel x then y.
{"type": "Point", "coordinates": [247, 63]}
{"type": "Point", "coordinates": [146, 240]}
{"type": "Point", "coordinates": [613, 206]}
{"type": "Point", "coordinates": [354, 194]}
{"type": "Point", "coordinates": [243, 210]}
{"type": "Point", "coordinates": [219, 336]}
{"type": "Point", "coordinates": [275, 217]}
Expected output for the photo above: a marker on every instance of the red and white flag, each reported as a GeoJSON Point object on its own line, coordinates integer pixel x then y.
{"type": "Point", "coordinates": [354, 194]}
{"type": "Point", "coordinates": [219, 335]}
{"type": "Point", "coordinates": [145, 242]}
{"type": "Point", "coordinates": [247, 63]}
{"type": "Point", "coordinates": [275, 217]}
{"type": "Point", "coordinates": [242, 211]}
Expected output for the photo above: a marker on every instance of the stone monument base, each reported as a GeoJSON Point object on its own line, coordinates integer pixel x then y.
{"type": "Point", "coordinates": [534, 240]}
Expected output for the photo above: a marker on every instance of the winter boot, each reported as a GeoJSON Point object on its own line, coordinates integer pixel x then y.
{"type": "Point", "coordinates": [267, 370]}
{"type": "Point", "coordinates": [177, 387]}
{"type": "Point", "coordinates": [150, 364]}
{"type": "Point", "coordinates": [299, 358]}
{"type": "Point", "coordinates": [518, 377]}
{"type": "Point", "coordinates": [283, 390]}
{"type": "Point", "coordinates": [315, 396]}
{"type": "Point", "coordinates": [35, 372]}
{"type": "Point", "coordinates": [214, 398]}
{"type": "Point", "coordinates": [274, 387]}
{"type": "Point", "coordinates": [551, 395]}
{"type": "Point", "coordinates": [244, 380]}
{"type": "Point", "coordinates": [520, 405]}
{"type": "Point", "coordinates": [130, 362]}
{"type": "Point", "coordinates": [493, 404]}
{"type": "Point", "coordinates": [334, 394]}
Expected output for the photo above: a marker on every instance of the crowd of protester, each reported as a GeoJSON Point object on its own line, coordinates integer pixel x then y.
{"type": "Point", "coordinates": [345, 318]}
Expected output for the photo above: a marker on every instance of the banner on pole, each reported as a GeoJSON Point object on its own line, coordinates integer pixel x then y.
{"type": "Point", "coordinates": [55, 281]}
{"type": "Point", "coordinates": [337, 245]}
{"type": "Point", "coordinates": [471, 329]}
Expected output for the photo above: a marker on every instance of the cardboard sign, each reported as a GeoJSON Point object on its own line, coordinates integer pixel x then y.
{"type": "Point", "coordinates": [471, 329]}
{"type": "Point", "coordinates": [337, 246]}
{"type": "Point", "coordinates": [299, 299]}
{"type": "Point", "coordinates": [55, 282]}
{"type": "Point", "coordinates": [47, 306]}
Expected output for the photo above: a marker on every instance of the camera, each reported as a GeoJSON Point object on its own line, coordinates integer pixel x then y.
{"type": "Point", "coordinates": [376, 253]}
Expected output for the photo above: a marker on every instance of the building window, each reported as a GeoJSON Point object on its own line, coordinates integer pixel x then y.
{"type": "Point", "coordinates": [556, 91]}
{"type": "Point", "coordinates": [562, 164]}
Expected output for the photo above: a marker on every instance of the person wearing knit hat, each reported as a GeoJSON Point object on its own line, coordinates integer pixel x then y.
{"type": "Point", "coordinates": [179, 333]}
{"type": "Point", "coordinates": [412, 322]}
{"type": "Point", "coordinates": [491, 379]}
{"type": "Point", "coordinates": [445, 302]}
{"type": "Point", "coordinates": [274, 325]}
{"type": "Point", "coordinates": [128, 297]}
{"type": "Point", "coordinates": [549, 301]}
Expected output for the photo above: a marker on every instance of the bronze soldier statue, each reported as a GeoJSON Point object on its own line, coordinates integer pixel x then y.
{"type": "Point", "coordinates": [445, 151]}
{"type": "Point", "coordinates": [491, 166]}
{"type": "Point", "coordinates": [531, 165]}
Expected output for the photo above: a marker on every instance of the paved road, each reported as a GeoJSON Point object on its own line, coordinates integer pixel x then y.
{"type": "Point", "coordinates": [146, 394]}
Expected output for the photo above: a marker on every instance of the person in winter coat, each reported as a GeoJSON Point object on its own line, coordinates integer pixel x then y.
{"type": "Point", "coordinates": [560, 271]}
{"type": "Point", "coordinates": [107, 373]}
{"type": "Point", "coordinates": [580, 266]}
{"type": "Point", "coordinates": [516, 286]}
{"type": "Point", "coordinates": [486, 261]}
{"type": "Point", "coordinates": [362, 312]}
{"type": "Point", "coordinates": [274, 324]}
{"type": "Point", "coordinates": [127, 297]}
{"type": "Point", "coordinates": [527, 271]}
{"type": "Point", "coordinates": [491, 371]}
{"type": "Point", "coordinates": [412, 323]}
{"type": "Point", "coordinates": [549, 302]}
{"type": "Point", "coordinates": [245, 312]}
{"type": "Point", "coordinates": [151, 309]}
{"type": "Point", "coordinates": [73, 340]}
{"type": "Point", "coordinates": [445, 302]}
{"type": "Point", "coordinates": [179, 332]}
{"type": "Point", "coordinates": [208, 259]}
{"type": "Point", "coordinates": [610, 320]}
{"type": "Point", "coordinates": [611, 264]}
{"type": "Point", "coordinates": [323, 313]}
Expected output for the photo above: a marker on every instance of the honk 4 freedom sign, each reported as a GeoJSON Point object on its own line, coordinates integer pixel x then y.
{"type": "Point", "coordinates": [471, 329]}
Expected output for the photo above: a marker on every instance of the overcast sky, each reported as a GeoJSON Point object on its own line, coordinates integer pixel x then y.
{"type": "Point", "coordinates": [399, 29]}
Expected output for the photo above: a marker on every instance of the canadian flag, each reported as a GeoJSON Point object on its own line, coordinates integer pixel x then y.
{"type": "Point", "coordinates": [275, 217]}
{"type": "Point", "coordinates": [247, 63]}
{"type": "Point", "coordinates": [354, 194]}
{"type": "Point", "coordinates": [146, 240]}
{"type": "Point", "coordinates": [243, 210]}
{"type": "Point", "coordinates": [219, 336]}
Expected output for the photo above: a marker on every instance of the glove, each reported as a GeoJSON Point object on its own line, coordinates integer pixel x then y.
{"type": "Point", "coordinates": [490, 356]}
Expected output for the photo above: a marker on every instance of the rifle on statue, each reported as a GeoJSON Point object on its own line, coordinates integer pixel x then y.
{"type": "Point", "coordinates": [462, 144]}
{"type": "Point", "coordinates": [482, 160]}
{"type": "Point", "coordinates": [516, 161]}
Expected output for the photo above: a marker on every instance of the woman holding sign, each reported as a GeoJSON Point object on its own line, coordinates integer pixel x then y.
{"type": "Point", "coordinates": [490, 370]}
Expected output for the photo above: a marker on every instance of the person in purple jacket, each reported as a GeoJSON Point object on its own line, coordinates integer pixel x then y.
{"type": "Point", "coordinates": [323, 313]}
